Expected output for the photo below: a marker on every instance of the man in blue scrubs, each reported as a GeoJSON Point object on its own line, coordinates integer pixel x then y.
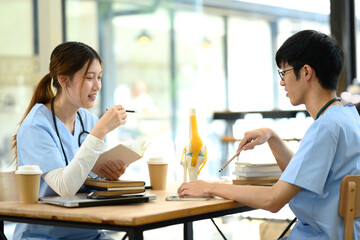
{"type": "Point", "coordinates": [310, 64]}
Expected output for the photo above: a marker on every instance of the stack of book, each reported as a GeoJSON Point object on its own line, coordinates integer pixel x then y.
{"type": "Point", "coordinates": [256, 174]}
{"type": "Point", "coordinates": [114, 188]}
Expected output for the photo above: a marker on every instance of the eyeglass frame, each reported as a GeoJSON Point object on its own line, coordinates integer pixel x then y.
{"type": "Point", "coordinates": [282, 73]}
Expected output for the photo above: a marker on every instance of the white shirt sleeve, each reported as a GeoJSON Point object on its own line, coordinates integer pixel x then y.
{"type": "Point", "coordinates": [67, 181]}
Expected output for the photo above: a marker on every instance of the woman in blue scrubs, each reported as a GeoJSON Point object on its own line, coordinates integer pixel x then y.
{"type": "Point", "coordinates": [60, 135]}
{"type": "Point", "coordinates": [310, 64]}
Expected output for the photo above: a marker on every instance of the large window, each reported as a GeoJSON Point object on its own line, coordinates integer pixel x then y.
{"type": "Point", "coordinates": [19, 40]}
{"type": "Point", "coordinates": [82, 22]}
{"type": "Point", "coordinates": [162, 58]}
{"type": "Point", "coordinates": [19, 69]}
{"type": "Point", "coordinates": [357, 31]}
{"type": "Point", "coordinates": [250, 65]}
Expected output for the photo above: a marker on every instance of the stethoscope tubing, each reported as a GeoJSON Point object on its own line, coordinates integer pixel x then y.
{"type": "Point", "coordinates": [57, 131]}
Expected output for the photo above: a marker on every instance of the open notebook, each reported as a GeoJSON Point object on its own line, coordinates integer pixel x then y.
{"type": "Point", "coordinates": [84, 201]}
{"type": "Point", "coordinates": [128, 153]}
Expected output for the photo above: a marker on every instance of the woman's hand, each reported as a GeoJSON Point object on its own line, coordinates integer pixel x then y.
{"type": "Point", "coordinates": [113, 118]}
{"type": "Point", "coordinates": [111, 171]}
{"type": "Point", "coordinates": [255, 137]}
{"type": "Point", "coordinates": [195, 189]}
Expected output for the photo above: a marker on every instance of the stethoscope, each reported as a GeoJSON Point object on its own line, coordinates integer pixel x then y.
{"type": "Point", "coordinates": [57, 131]}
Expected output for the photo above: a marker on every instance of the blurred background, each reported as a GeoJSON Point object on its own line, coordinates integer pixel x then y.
{"type": "Point", "coordinates": [163, 57]}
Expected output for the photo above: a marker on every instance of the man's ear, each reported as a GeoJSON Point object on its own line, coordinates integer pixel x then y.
{"type": "Point", "coordinates": [308, 72]}
{"type": "Point", "coordinates": [63, 80]}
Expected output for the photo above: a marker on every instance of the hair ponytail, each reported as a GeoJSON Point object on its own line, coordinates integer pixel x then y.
{"type": "Point", "coordinates": [43, 94]}
{"type": "Point", "coordinates": [66, 59]}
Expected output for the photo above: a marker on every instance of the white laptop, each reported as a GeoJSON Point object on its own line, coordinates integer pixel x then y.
{"type": "Point", "coordinates": [82, 200]}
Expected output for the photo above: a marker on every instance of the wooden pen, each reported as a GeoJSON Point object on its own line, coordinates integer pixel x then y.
{"type": "Point", "coordinates": [236, 155]}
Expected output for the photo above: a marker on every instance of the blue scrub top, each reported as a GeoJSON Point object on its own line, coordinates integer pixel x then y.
{"type": "Point", "coordinates": [38, 144]}
{"type": "Point", "coordinates": [329, 150]}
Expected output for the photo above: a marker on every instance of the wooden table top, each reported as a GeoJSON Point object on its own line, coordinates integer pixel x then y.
{"type": "Point", "coordinates": [125, 215]}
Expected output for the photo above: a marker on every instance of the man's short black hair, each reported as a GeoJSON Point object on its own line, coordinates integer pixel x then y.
{"type": "Point", "coordinates": [316, 49]}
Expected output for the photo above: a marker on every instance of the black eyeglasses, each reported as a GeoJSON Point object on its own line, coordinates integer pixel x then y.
{"type": "Point", "coordinates": [282, 73]}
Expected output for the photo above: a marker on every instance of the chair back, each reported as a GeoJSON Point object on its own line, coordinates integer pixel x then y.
{"type": "Point", "coordinates": [8, 187]}
{"type": "Point", "coordinates": [349, 203]}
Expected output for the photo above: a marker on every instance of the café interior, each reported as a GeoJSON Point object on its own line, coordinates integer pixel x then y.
{"type": "Point", "coordinates": [164, 57]}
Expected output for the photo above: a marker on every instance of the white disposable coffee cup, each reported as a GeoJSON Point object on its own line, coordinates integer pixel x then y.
{"type": "Point", "coordinates": [28, 182]}
{"type": "Point", "coordinates": [158, 173]}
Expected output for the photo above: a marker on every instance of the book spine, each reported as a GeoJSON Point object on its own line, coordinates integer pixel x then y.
{"type": "Point", "coordinates": [97, 188]}
{"type": "Point", "coordinates": [257, 174]}
{"type": "Point", "coordinates": [257, 169]}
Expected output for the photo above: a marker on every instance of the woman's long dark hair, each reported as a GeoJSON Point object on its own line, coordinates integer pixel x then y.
{"type": "Point", "coordinates": [66, 59]}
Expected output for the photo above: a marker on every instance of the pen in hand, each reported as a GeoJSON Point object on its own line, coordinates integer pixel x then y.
{"type": "Point", "coordinates": [129, 111]}
{"type": "Point", "coordinates": [236, 155]}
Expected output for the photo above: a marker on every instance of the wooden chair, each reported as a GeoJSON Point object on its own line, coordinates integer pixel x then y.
{"type": "Point", "coordinates": [8, 187]}
{"type": "Point", "coordinates": [349, 203]}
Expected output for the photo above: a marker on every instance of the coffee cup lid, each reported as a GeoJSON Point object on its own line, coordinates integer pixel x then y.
{"type": "Point", "coordinates": [28, 169]}
{"type": "Point", "coordinates": [157, 160]}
